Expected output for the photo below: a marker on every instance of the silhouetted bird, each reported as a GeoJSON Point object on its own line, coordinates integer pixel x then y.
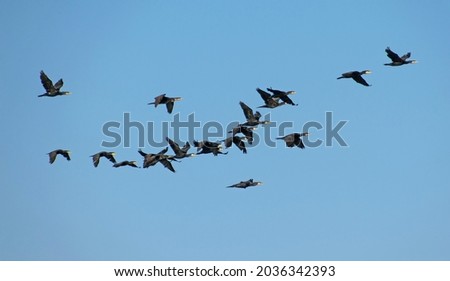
{"type": "Point", "coordinates": [397, 60]}
{"type": "Point", "coordinates": [238, 141]}
{"type": "Point", "coordinates": [180, 152]}
{"type": "Point", "coordinates": [282, 95]}
{"type": "Point", "coordinates": [356, 75]}
{"type": "Point", "coordinates": [294, 139]}
{"type": "Point", "coordinates": [252, 119]}
{"type": "Point", "coordinates": [206, 147]}
{"type": "Point", "coordinates": [245, 184]}
{"type": "Point", "coordinates": [52, 155]}
{"type": "Point", "coordinates": [269, 101]}
{"type": "Point", "coordinates": [126, 163]}
{"type": "Point", "coordinates": [108, 155]}
{"type": "Point", "coordinates": [246, 131]}
{"type": "Point", "coordinates": [162, 99]}
{"type": "Point", "coordinates": [50, 89]}
{"type": "Point", "coordinates": [150, 159]}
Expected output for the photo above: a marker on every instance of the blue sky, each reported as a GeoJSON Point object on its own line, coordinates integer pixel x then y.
{"type": "Point", "coordinates": [383, 197]}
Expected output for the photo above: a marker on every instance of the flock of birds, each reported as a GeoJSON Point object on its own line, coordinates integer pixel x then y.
{"type": "Point", "coordinates": [238, 135]}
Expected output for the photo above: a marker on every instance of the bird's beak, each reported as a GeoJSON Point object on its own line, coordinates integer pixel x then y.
{"type": "Point", "coordinates": [414, 61]}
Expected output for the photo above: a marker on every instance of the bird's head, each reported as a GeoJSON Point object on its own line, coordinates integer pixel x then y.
{"type": "Point", "coordinates": [366, 71]}
{"type": "Point", "coordinates": [414, 61]}
{"type": "Point", "coordinates": [177, 98]}
{"type": "Point", "coordinates": [291, 92]}
{"type": "Point", "coordinates": [133, 162]}
{"type": "Point", "coordinates": [265, 122]}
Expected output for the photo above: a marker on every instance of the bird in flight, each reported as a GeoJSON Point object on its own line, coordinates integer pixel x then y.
{"type": "Point", "coordinates": [397, 60]}
{"type": "Point", "coordinates": [52, 155]}
{"type": "Point", "coordinates": [169, 102]}
{"type": "Point", "coordinates": [294, 139]}
{"type": "Point", "coordinates": [357, 76]}
{"type": "Point", "coordinates": [245, 184]}
{"type": "Point", "coordinates": [50, 89]}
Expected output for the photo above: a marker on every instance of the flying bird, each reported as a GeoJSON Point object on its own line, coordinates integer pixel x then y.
{"type": "Point", "coordinates": [150, 159]}
{"type": "Point", "coordinates": [180, 152]}
{"type": "Point", "coordinates": [238, 141]}
{"type": "Point", "coordinates": [108, 155]}
{"type": "Point", "coordinates": [269, 101]}
{"type": "Point", "coordinates": [397, 60]}
{"type": "Point", "coordinates": [245, 184]}
{"type": "Point", "coordinates": [252, 118]}
{"type": "Point", "coordinates": [126, 163]}
{"type": "Point", "coordinates": [246, 131]}
{"type": "Point", "coordinates": [357, 76]}
{"type": "Point", "coordinates": [169, 102]}
{"type": "Point", "coordinates": [294, 139]}
{"type": "Point", "coordinates": [50, 89]}
{"type": "Point", "coordinates": [52, 155]}
{"type": "Point", "coordinates": [283, 95]}
{"type": "Point", "coordinates": [206, 147]}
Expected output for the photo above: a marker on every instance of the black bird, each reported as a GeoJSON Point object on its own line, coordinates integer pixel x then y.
{"type": "Point", "coordinates": [238, 141]}
{"type": "Point", "coordinates": [206, 147]}
{"type": "Point", "coordinates": [246, 131]}
{"type": "Point", "coordinates": [52, 155]}
{"type": "Point", "coordinates": [397, 60]}
{"type": "Point", "coordinates": [245, 184]}
{"type": "Point", "coordinates": [108, 155]}
{"type": "Point", "coordinates": [150, 159]}
{"type": "Point", "coordinates": [356, 75]}
{"type": "Point", "coordinates": [126, 163]}
{"type": "Point", "coordinates": [252, 119]}
{"type": "Point", "coordinates": [162, 99]}
{"type": "Point", "coordinates": [282, 95]}
{"type": "Point", "coordinates": [180, 152]}
{"type": "Point", "coordinates": [50, 89]}
{"type": "Point", "coordinates": [294, 139]}
{"type": "Point", "coordinates": [269, 101]}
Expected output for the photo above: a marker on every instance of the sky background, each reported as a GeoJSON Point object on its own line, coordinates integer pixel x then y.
{"type": "Point", "coordinates": [386, 196]}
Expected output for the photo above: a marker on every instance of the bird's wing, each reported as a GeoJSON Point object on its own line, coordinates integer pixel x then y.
{"type": "Point", "coordinates": [228, 141]}
{"type": "Point", "coordinates": [111, 158]}
{"type": "Point", "coordinates": [264, 95]}
{"type": "Point", "coordinates": [59, 84]}
{"type": "Point", "coordinates": [158, 99]}
{"type": "Point", "coordinates": [287, 100]}
{"type": "Point", "coordinates": [358, 78]}
{"type": "Point", "coordinates": [240, 144]}
{"type": "Point", "coordinates": [96, 159]}
{"type": "Point", "coordinates": [276, 93]}
{"type": "Point", "coordinates": [393, 56]}
{"type": "Point", "coordinates": [47, 83]}
{"type": "Point", "coordinates": [52, 157]}
{"type": "Point", "coordinates": [169, 106]}
{"type": "Point", "coordinates": [163, 151]}
{"type": "Point", "coordinates": [175, 147]}
{"type": "Point", "coordinates": [406, 56]}
{"type": "Point", "coordinates": [301, 144]}
{"type": "Point", "coordinates": [142, 153]}
{"type": "Point", "coordinates": [248, 112]}
{"type": "Point", "coordinates": [66, 155]}
{"type": "Point", "coordinates": [167, 164]}
{"type": "Point", "coordinates": [186, 147]}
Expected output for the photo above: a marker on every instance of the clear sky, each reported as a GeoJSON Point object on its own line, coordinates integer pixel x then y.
{"type": "Point", "coordinates": [385, 196]}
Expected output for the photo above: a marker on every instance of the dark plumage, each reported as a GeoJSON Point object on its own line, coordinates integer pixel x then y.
{"type": "Point", "coordinates": [245, 184]}
{"type": "Point", "coordinates": [108, 155]}
{"type": "Point", "coordinates": [397, 60]}
{"type": "Point", "coordinates": [238, 141]}
{"type": "Point", "coordinates": [126, 163]}
{"type": "Point", "coordinates": [52, 155]}
{"type": "Point", "coordinates": [246, 131]}
{"type": "Point", "coordinates": [150, 159]}
{"type": "Point", "coordinates": [252, 119]}
{"type": "Point", "coordinates": [356, 75]}
{"type": "Point", "coordinates": [278, 94]}
{"type": "Point", "coordinates": [269, 101]}
{"type": "Point", "coordinates": [50, 89]}
{"type": "Point", "coordinates": [180, 152]}
{"type": "Point", "coordinates": [169, 102]}
{"type": "Point", "coordinates": [206, 147]}
{"type": "Point", "coordinates": [294, 139]}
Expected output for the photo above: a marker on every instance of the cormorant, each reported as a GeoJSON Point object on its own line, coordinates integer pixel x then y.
{"type": "Point", "coordinates": [206, 147]}
{"type": "Point", "coordinates": [162, 99]}
{"type": "Point", "coordinates": [126, 163]}
{"type": "Point", "coordinates": [294, 139]}
{"type": "Point", "coordinates": [180, 152]}
{"type": "Point", "coordinates": [238, 141]}
{"type": "Point", "coordinates": [252, 119]}
{"type": "Point", "coordinates": [397, 60]}
{"type": "Point", "coordinates": [356, 75]}
{"type": "Point", "coordinates": [150, 159]}
{"type": "Point", "coordinates": [245, 184]}
{"type": "Point", "coordinates": [50, 89]}
{"type": "Point", "coordinates": [108, 155]}
{"type": "Point", "coordinates": [282, 95]}
{"type": "Point", "coordinates": [246, 131]}
{"type": "Point", "coordinates": [52, 155]}
{"type": "Point", "coordinates": [269, 101]}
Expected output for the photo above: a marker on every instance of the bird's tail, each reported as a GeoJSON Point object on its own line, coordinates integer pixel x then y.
{"type": "Point", "coordinates": [340, 77]}
{"type": "Point", "coordinates": [43, 95]}
{"type": "Point", "coordinates": [280, 138]}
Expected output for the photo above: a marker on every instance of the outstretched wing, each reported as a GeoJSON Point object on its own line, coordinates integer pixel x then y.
{"type": "Point", "coordinates": [287, 100]}
{"type": "Point", "coordinates": [240, 144]}
{"type": "Point", "coordinates": [264, 95]}
{"type": "Point", "coordinates": [169, 106]}
{"type": "Point", "coordinates": [167, 164]}
{"type": "Point", "coordinates": [248, 112]}
{"type": "Point", "coordinates": [393, 56]}
{"type": "Point", "coordinates": [358, 78]}
{"type": "Point", "coordinates": [59, 84]}
{"type": "Point", "coordinates": [47, 83]}
{"type": "Point", "coordinates": [96, 159]}
{"type": "Point", "coordinates": [186, 147]}
{"type": "Point", "coordinates": [175, 147]}
{"type": "Point", "coordinates": [158, 99]}
{"type": "Point", "coordinates": [406, 56]}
